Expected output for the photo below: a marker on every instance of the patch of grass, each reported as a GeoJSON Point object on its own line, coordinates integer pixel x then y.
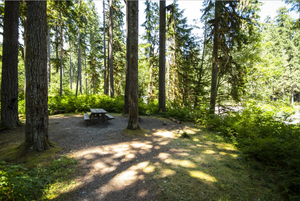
{"type": "Point", "coordinates": [31, 159]}
{"type": "Point", "coordinates": [36, 175]}
{"type": "Point", "coordinates": [135, 133]}
{"type": "Point", "coordinates": [40, 183]}
{"type": "Point", "coordinates": [205, 167]}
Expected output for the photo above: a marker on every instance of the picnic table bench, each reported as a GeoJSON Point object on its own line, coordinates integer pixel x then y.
{"type": "Point", "coordinates": [97, 114]}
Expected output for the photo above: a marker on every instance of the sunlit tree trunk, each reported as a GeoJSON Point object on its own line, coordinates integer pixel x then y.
{"type": "Point", "coordinates": [9, 86]}
{"type": "Point", "coordinates": [36, 130]}
{"type": "Point", "coordinates": [133, 120]}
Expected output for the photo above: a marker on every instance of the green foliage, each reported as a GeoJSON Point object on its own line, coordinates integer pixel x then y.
{"type": "Point", "coordinates": [258, 131]}
{"type": "Point", "coordinates": [17, 184]}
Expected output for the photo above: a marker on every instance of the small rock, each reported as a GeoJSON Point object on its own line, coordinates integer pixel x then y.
{"type": "Point", "coordinates": [164, 123]}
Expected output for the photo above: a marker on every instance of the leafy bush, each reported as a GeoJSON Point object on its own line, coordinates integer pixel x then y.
{"type": "Point", "coordinates": [259, 132]}
{"type": "Point", "coordinates": [17, 184]}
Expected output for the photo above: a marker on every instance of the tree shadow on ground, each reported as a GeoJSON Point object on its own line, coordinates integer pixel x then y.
{"type": "Point", "coordinates": [157, 166]}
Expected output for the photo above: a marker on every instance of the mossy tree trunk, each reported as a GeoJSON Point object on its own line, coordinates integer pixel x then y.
{"type": "Point", "coordinates": [9, 86]}
{"type": "Point", "coordinates": [133, 120]}
{"type": "Point", "coordinates": [36, 130]}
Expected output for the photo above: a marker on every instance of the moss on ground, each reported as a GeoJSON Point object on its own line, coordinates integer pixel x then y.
{"type": "Point", "coordinates": [205, 167]}
{"type": "Point", "coordinates": [135, 133]}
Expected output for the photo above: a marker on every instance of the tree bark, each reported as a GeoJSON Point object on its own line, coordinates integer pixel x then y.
{"type": "Point", "coordinates": [162, 56]}
{"type": "Point", "coordinates": [9, 86]}
{"type": "Point", "coordinates": [111, 58]}
{"type": "Point", "coordinates": [201, 68]}
{"type": "Point", "coordinates": [70, 65]}
{"type": "Point", "coordinates": [79, 62]}
{"type": "Point", "coordinates": [61, 54]}
{"type": "Point", "coordinates": [150, 86]}
{"type": "Point", "coordinates": [104, 44]}
{"type": "Point", "coordinates": [133, 120]}
{"type": "Point", "coordinates": [127, 85]}
{"type": "Point", "coordinates": [49, 56]}
{"type": "Point", "coordinates": [36, 130]}
{"type": "Point", "coordinates": [86, 84]}
{"type": "Point", "coordinates": [214, 73]}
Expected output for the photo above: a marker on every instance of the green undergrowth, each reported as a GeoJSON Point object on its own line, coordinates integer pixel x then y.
{"type": "Point", "coordinates": [83, 103]}
{"type": "Point", "coordinates": [259, 132]}
{"type": "Point", "coordinates": [135, 133]}
{"type": "Point", "coordinates": [31, 159]}
{"type": "Point", "coordinates": [205, 166]}
{"type": "Point", "coordinates": [43, 182]}
{"type": "Point", "coordinates": [35, 175]}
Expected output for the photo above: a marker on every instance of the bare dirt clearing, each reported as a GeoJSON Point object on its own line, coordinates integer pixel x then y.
{"type": "Point", "coordinates": [154, 164]}
{"type": "Point", "coordinates": [113, 166]}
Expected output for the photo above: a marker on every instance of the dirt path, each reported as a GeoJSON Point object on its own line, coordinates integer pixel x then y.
{"type": "Point", "coordinates": [113, 166]}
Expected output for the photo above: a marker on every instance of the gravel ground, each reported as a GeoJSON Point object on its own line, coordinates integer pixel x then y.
{"type": "Point", "coordinates": [113, 166]}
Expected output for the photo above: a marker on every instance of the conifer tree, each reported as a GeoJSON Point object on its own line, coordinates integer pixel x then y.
{"type": "Point", "coordinates": [233, 25]}
{"type": "Point", "coordinates": [133, 119]}
{"type": "Point", "coordinates": [151, 37]}
{"type": "Point", "coordinates": [9, 82]}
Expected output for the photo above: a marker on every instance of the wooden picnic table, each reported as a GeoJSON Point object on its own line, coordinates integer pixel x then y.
{"type": "Point", "coordinates": [97, 113]}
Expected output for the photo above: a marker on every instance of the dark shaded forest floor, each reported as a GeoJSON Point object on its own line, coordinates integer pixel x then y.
{"type": "Point", "coordinates": [156, 163]}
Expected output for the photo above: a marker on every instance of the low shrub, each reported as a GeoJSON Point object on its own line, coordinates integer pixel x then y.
{"type": "Point", "coordinates": [17, 184]}
{"type": "Point", "coordinates": [258, 131]}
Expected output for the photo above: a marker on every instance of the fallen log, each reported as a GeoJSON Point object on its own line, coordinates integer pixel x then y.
{"type": "Point", "coordinates": [175, 120]}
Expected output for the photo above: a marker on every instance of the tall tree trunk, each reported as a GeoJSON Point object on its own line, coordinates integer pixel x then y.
{"type": "Point", "coordinates": [133, 120]}
{"type": "Point", "coordinates": [86, 84]}
{"type": "Point", "coordinates": [162, 56]}
{"type": "Point", "coordinates": [110, 56]}
{"type": "Point", "coordinates": [9, 86]}
{"type": "Point", "coordinates": [127, 85]}
{"type": "Point", "coordinates": [49, 56]}
{"type": "Point", "coordinates": [214, 73]}
{"type": "Point", "coordinates": [61, 53]}
{"type": "Point", "coordinates": [79, 62]}
{"type": "Point", "coordinates": [201, 69]}
{"type": "Point", "coordinates": [56, 48]}
{"type": "Point", "coordinates": [104, 44]}
{"type": "Point", "coordinates": [36, 130]}
{"type": "Point", "coordinates": [150, 86]}
{"type": "Point", "coordinates": [70, 66]}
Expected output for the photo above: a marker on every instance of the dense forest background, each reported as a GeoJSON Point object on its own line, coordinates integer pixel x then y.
{"type": "Point", "coordinates": [267, 58]}
{"type": "Point", "coordinates": [238, 64]}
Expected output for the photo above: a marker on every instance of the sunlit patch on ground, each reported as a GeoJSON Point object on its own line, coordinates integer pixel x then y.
{"type": "Point", "coordinates": [209, 152]}
{"type": "Point", "coordinates": [182, 163]}
{"type": "Point", "coordinates": [164, 134]}
{"type": "Point", "coordinates": [202, 176]}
